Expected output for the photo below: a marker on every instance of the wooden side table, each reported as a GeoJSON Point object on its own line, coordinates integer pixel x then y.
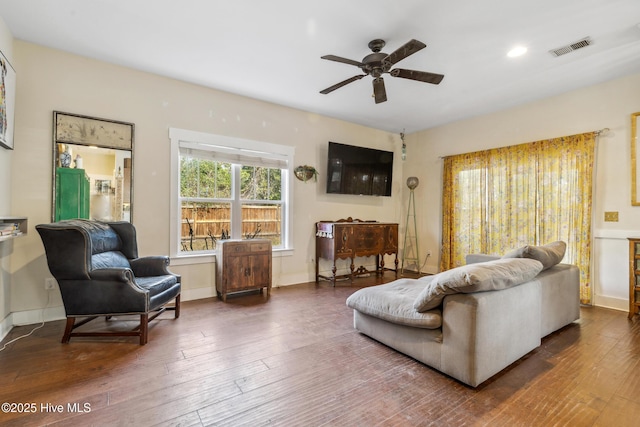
{"type": "Point", "coordinates": [242, 265]}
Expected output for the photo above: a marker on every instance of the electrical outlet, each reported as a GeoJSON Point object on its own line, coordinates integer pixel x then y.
{"type": "Point", "coordinates": [49, 283]}
{"type": "Point", "coordinates": [429, 253]}
{"type": "Point", "coordinates": [611, 216]}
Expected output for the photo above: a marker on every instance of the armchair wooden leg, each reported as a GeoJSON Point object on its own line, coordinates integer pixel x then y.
{"type": "Point", "coordinates": [141, 331]}
{"type": "Point", "coordinates": [144, 328]}
{"type": "Point", "coordinates": [67, 330]}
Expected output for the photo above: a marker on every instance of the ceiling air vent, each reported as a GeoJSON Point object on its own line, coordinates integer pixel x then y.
{"type": "Point", "coordinates": [570, 48]}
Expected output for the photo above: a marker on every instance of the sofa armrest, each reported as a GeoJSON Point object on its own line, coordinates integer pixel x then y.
{"type": "Point", "coordinates": [475, 258]}
{"type": "Point", "coordinates": [560, 293]}
{"type": "Point", "coordinates": [156, 265]}
{"type": "Point", "coordinates": [484, 332]}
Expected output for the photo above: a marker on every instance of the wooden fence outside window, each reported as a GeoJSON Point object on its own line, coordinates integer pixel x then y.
{"type": "Point", "coordinates": [209, 224]}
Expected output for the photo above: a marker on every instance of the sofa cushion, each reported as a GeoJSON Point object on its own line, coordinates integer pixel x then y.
{"type": "Point", "coordinates": [393, 302]}
{"type": "Point", "coordinates": [483, 276]}
{"type": "Point", "coordinates": [549, 254]}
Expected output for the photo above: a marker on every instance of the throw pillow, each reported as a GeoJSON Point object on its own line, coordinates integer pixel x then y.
{"type": "Point", "coordinates": [482, 276]}
{"type": "Point", "coordinates": [549, 254]}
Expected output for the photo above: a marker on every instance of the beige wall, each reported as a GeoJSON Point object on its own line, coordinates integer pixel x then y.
{"type": "Point", "coordinates": [607, 105]}
{"type": "Point", "coordinates": [51, 80]}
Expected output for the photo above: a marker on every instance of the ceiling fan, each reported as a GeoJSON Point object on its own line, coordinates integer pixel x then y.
{"type": "Point", "coordinates": [378, 63]}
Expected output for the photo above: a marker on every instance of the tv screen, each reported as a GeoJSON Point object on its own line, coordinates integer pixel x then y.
{"type": "Point", "coordinates": [359, 170]}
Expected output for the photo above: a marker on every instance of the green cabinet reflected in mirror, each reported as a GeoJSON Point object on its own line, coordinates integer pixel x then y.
{"type": "Point", "coordinates": [93, 168]}
{"type": "Point", "coordinates": [73, 194]}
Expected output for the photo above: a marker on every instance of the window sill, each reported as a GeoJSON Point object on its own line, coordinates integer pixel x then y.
{"type": "Point", "coordinates": [277, 253]}
{"type": "Point", "coordinates": [209, 257]}
{"type": "Point", "coordinates": [202, 258]}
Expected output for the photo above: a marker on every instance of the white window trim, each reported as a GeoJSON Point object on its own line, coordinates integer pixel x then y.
{"type": "Point", "coordinates": [188, 137]}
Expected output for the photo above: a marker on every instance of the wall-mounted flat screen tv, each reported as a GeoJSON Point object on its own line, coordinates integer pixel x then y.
{"type": "Point", "coordinates": [359, 170]}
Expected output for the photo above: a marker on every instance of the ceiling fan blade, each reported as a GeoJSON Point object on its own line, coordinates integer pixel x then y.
{"type": "Point", "coordinates": [341, 59]}
{"type": "Point", "coordinates": [379, 92]}
{"type": "Point", "coordinates": [421, 76]}
{"type": "Point", "coordinates": [343, 83]}
{"type": "Point", "coordinates": [409, 48]}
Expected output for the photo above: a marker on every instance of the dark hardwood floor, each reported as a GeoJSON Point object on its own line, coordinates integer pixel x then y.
{"type": "Point", "coordinates": [295, 360]}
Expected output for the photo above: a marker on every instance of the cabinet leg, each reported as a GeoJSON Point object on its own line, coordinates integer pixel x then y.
{"type": "Point", "coordinates": [333, 273]}
{"type": "Point", "coordinates": [396, 263]}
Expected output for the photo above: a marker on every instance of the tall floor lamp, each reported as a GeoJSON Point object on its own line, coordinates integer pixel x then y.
{"type": "Point", "coordinates": [411, 253]}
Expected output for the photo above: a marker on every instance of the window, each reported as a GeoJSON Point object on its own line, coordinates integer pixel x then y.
{"type": "Point", "coordinates": [227, 188]}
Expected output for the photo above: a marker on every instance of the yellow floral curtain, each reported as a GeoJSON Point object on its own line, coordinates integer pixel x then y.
{"type": "Point", "coordinates": [528, 194]}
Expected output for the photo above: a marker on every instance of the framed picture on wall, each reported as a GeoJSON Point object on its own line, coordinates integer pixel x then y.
{"type": "Point", "coordinates": [7, 102]}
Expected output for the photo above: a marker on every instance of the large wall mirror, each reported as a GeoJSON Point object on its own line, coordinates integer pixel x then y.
{"type": "Point", "coordinates": [92, 168]}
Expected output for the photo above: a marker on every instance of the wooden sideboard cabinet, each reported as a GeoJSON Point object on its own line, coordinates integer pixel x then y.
{"type": "Point", "coordinates": [242, 265]}
{"type": "Point", "coordinates": [634, 276]}
{"type": "Point", "coordinates": [348, 239]}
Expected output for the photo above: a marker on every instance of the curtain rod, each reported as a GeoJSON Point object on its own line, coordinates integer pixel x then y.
{"type": "Point", "coordinates": [597, 132]}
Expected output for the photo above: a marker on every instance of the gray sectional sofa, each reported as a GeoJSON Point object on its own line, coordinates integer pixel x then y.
{"type": "Point", "coordinates": [473, 321]}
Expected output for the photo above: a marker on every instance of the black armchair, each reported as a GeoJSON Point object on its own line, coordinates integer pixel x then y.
{"type": "Point", "coordinates": [97, 267]}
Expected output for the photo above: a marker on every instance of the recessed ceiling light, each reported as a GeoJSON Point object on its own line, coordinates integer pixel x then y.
{"type": "Point", "coordinates": [517, 51]}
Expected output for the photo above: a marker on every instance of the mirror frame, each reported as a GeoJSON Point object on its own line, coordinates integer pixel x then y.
{"type": "Point", "coordinates": [635, 198]}
{"type": "Point", "coordinates": [115, 135]}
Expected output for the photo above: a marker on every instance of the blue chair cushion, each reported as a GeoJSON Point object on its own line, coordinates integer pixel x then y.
{"type": "Point", "coordinates": [156, 284]}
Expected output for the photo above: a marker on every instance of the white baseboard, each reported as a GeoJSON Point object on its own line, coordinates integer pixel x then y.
{"type": "Point", "coordinates": [5, 326]}
{"type": "Point", "coordinates": [29, 317]}
{"type": "Point", "coordinates": [197, 293]}
{"type": "Point", "coordinates": [610, 302]}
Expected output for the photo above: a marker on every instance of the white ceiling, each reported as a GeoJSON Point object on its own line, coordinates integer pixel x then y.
{"type": "Point", "coordinates": [270, 50]}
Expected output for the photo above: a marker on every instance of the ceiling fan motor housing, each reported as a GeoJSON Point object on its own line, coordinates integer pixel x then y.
{"type": "Point", "coordinates": [372, 64]}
